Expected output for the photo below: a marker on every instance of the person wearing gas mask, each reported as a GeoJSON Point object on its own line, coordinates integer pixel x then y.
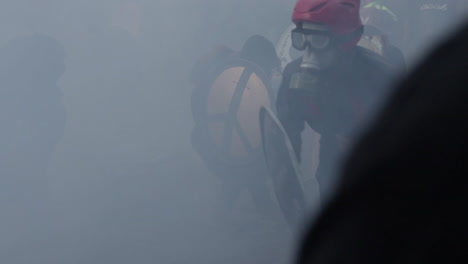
{"type": "Point", "coordinates": [335, 86]}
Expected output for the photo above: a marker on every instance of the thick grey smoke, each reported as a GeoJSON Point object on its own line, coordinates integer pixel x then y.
{"type": "Point", "coordinates": [96, 164]}
{"type": "Point", "coordinates": [123, 184]}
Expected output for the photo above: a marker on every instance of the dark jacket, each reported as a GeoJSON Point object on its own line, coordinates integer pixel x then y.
{"type": "Point", "coordinates": [347, 94]}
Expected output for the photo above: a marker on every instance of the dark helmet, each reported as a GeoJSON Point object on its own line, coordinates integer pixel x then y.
{"type": "Point", "coordinates": [262, 52]}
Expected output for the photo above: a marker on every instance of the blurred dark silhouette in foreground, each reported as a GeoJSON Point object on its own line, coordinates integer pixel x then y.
{"type": "Point", "coordinates": [404, 189]}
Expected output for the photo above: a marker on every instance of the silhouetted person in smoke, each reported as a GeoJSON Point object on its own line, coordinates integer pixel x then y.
{"type": "Point", "coordinates": [378, 41]}
{"type": "Point", "coordinates": [403, 194]}
{"type": "Point", "coordinates": [32, 115]}
{"type": "Point", "coordinates": [230, 146]}
{"type": "Point", "coordinates": [411, 24]}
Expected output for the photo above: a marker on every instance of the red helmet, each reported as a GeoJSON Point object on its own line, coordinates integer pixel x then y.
{"type": "Point", "coordinates": [340, 16]}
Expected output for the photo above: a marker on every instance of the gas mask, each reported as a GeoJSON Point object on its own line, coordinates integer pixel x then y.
{"type": "Point", "coordinates": [319, 50]}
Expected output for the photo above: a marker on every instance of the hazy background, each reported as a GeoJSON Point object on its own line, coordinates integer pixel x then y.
{"type": "Point", "coordinates": [124, 185]}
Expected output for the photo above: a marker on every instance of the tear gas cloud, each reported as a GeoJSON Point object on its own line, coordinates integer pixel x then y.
{"type": "Point", "coordinates": [96, 161]}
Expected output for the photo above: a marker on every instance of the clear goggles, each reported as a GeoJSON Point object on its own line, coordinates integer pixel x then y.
{"type": "Point", "coordinates": [317, 40]}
